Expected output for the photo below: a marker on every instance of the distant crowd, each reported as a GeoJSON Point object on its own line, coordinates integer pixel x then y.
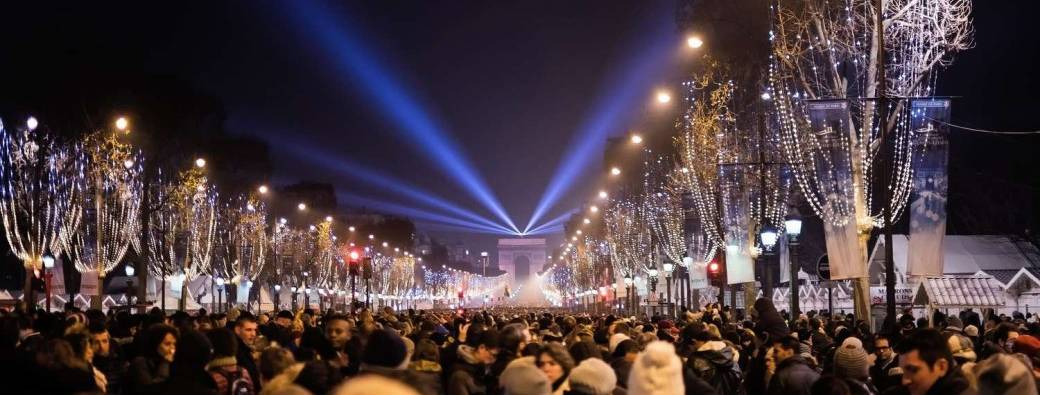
{"type": "Point", "coordinates": [715, 350]}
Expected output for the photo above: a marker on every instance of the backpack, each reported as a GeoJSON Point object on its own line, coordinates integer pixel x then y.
{"type": "Point", "coordinates": [237, 383]}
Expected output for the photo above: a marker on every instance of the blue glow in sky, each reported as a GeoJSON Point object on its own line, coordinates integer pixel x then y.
{"type": "Point", "coordinates": [400, 209]}
{"type": "Point", "coordinates": [416, 127]}
{"type": "Point", "coordinates": [628, 89]}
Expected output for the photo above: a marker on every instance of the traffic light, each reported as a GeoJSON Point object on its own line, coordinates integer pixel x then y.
{"type": "Point", "coordinates": [366, 268]}
{"type": "Point", "coordinates": [713, 268]}
{"type": "Point", "coordinates": [354, 262]}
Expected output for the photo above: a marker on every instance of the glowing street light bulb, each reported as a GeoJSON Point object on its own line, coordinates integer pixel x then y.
{"type": "Point", "coordinates": [351, 229]}
{"type": "Point", "coordinates": [32, 123]}
{"type": "Point", "coordinates": [694, 42]}
{"type": "Point", "coordinates": [586, 221]}
{"type": "Point", "coordinates": [636, 139]}
{"type": "Point", "coordinates": [578, 231]}
{"type": "Point", "coordinates": [766, 96]}
{"type": "Point", "coordinates": [615, 171]}
{"type": "Point", "coordinates": [328, 218]}
{"type": "Point", "coordinates": [301, 206]}
{"type": "Point", "coordinates": [262, 189]}
{"type": "Point", "coordinates": [663, 97]}
{"type": "Point", "coordinates": [385, 244]}
{"type": "Point", "coordinates": [128, 163]}
{"type": "Point", "coordinates": [122, 123]}
{"type": "Point", "coordinates": [200, 163]}
{"type": "Point", "coordinates": [371, 237]}
{"type": "Point", "coordinates": [603, 194]}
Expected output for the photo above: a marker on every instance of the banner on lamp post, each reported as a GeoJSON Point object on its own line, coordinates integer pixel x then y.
{"type": "Point", "coordinates": [736, 223]}
{"type": "Point", "coordinates": [930, 144]}
{"type": "Point", "coordinates": [829, 121]}
{"type": "Point", "coordinates": [88, 285]}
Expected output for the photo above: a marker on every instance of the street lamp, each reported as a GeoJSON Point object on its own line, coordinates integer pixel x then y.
{"type": "Point", "coordinates": [663, 97]}
{"type": "Point", "coordinates": [769, 237]}
{"type": "Point", "coordinates": [668, 268]}
{"type": "Point", "coordinates": [129, 270]}
{"type": "Point", "coordinates": [122, 123]}
{"type": "Point", "coordinates": [636, 139]}
{"type": "Point", "coordinates": [48, 264]}
{"type": "Point", "coordinates": [32, 123]}
{"type": "Point", "coordinates": [262, 189]}
{"type": "Point", "coordinates": [793, 225]}
{"type": "Point", "coordinates": [603, 194]}
{"type": "Point", "coordinates": [629, 286]}
{"type": "Point", "coordinates": [220, 293]}
{"type": "Point", "coordinates": [200, 163]}
{"type": "Point", "coordinates": [694, 42]}
{"type": "Point", "coordinates": [301, 206]}
{"type": "Point", "coordinates": [615, 171]}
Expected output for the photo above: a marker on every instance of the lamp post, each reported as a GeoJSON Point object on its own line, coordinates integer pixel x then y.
{"type": "Point", "coordinates": [129, 270]}
{"type": "Point", "coordinates": [628, 291]}
{"type": "Point", "coordinates": [293, 289]}
{"type": "Point", "coordinates": [793, 224]}
{"type": "Point", "coordinates": [48, 264]}
{"type": "Point", "coordinates": [277, 297]}
{"type": "Point", "coordinates": [220, 294]}
{"type": "Point", "coordinates": [617, 305]}
{"type": "Point", "coordinates": [768, 237]}
{"type": "Point", "coordinates": [668, 267]}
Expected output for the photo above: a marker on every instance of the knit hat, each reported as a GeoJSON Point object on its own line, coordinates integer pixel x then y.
{"type": "Point", "coordinates": [656, 371]}
{"type": "Point", "coordinates": [593, 376]}
{"type": "Point", "coordinates": [521, 377]}
{"type": "Point", "coordinates": [374, 384]}
{"type": "Point", "coordinates": [1004, 374]}
{"type": "Point", "coordinates": [1028, 345]}
{"type": "Point", "coordinates": [971, 330]}
{"type": "Point", "coordinates": [616, 339]}
{"type": "Point", "coordinates": [851, 360]}
{"type": "Point", "coordinates": [384, 348]}
{"type": "Point", "coordinates": [954, 324]}
{"type": "Point", "coordinates": [961, 347]}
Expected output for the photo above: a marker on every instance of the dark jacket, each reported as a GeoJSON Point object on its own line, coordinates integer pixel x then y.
{"type": "Point", "coordinates": [244, 358]}
{"type": "Point", "coordinates": [696, 386]}
{"type": "Point", "coordinates": [429, 374]}
{"type": "Point", "coordinates": [716, 364]}
{"type": "Point", "coordinates": [145, 372]}
{"type": "Point", "coordinates": [621, 369]}
{"type": "Point", "coordinates": [880, 376]}
{"type": "Point", "coordinates": [793, 377]}
{"type": "Point", "coordinates": [468, 376]}
{"type": "Point", "coordinates": [114, 367]}
{"type": "Point", "coordinates": [195, 383]}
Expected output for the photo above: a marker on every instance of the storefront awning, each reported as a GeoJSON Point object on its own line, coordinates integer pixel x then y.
{"type": "Point", "coordinates": [960, 291]}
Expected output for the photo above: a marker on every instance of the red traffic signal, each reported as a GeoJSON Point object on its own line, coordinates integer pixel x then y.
{"type": "Point", "coordinates": [354, 255]}
{"type": "Point", "coordinates": [713, 267]}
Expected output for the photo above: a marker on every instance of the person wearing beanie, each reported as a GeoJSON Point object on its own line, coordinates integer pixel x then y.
{"type": "Point", "coordinates": [1004, 374]}
{"type": "Point", "coordinates": [852, 363]}
{"type": "Point", "coordinates": [386, 354]}
{"type": "Point", "coordinates": [954, 325]}
{"type": "Point", "coordinates": [592, 377]}
{"type": "Point", "coordinates": [657, 371]}
{"type": "Point", "coordinates": [522, 377]}
{"type": "Point", "coordinates": [793, 374]}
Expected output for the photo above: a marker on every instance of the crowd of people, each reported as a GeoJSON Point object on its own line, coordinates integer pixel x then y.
{"type": "Point", "coordinates": [513, 351]}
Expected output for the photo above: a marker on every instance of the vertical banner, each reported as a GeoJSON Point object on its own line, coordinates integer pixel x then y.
{"type": "Point", "coordinates": [89, 284]}
{"type": "Point", "coordinates": [736, 222]}
{"type": "Point", "coordinates": [58, 277]}
{"type": "Point", "coordinates": [699, 249]}
{"type": "Point", "coordinates": [785, 258]}
{"type": "Point", "coordinates": [829, 120]}
{"type": "Point", "coordinates": [930, 145]}
{"type": "Point", "coordinates": [242, 296]}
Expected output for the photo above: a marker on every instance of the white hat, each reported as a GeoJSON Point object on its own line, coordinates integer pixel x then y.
{"type": "Point", "coordinates": [656, 371]}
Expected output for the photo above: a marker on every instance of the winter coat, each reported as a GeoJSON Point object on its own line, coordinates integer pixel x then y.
{"type": "Point", "coordinates": [621, 369]}
{"type": "Point", "coordinates": [246, 361]}
{"type": "Point", "coordinates": [770, 323]}
{"type": "Point", "coordinates": [145, 372]}
{"type": "Point", "coordinates": [953, 383]}
{"type": "Point", "coordinates": [716, 363]}
{"type": "Point", "coordinates": [114, 367]}
{"type": "Point", "coordinates": [881, 377]}
{"type": "Point", "coordinates": [696, 386]}
{"type": "Point", "coordinates": [428, 372]}
{"type": "Point", "coordinates": [224, 369]}
{"type": "Point", "coordinates": [468, 376]}
{"type": "Point", "coordinates": [424, 384]}
{"type": "Point", "coordinates": [793, 377]}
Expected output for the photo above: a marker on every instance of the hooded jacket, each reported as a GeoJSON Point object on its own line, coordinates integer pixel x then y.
{"type": "Point", "coordinates": [793, 377]}
{"type": "Point", "coordinates": [468, 374]}
{"type": "Point", "coordinates": [716, 362]}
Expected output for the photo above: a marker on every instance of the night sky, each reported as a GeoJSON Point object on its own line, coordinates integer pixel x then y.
{"type": "Point", "coordinates": [514, 85]}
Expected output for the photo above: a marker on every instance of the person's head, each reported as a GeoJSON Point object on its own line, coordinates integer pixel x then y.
{"type": "Point", "coordinates": [102, 341]}
{"type": "Point", "coordinates": [785, 347]}
{"type": "Point", "coordinates": [851, 360]}
{"type": "Point", "coordinates": [512, 338]}
{"type": "Point", "coordinates": [385, 348]}
{"type": "Point", "coordinates": [1005, 334]}
{"type": "Point", "coordinates": [337, 330]}
{"type": "Point", "coordinates": [883, 348]}
{"type": "Point", "coordinates": [657, 370]}
{"type": "Point", "coordinates": [284, 319]}
{"type": "Point", "coordinates": [555, 362]}
{"type": "Point", "coordinates": [426, 350]}
{"type": "Point", "coordinates": [373, 384]}
{"type": "Point", "coordinates": [161, 342]}
{"type": "Point", "coordinates": [273, 361]}
{"type": "Point", "coordinates": [193, 353]}
{"type": "Point", "coordinates": [593, 376]}
{"type": "Point", "coordinates": [1004, 374]}
{"type": "Point", "coordinates": [628, 349]}
{"type": "Point", "coordinates": [224, 342]}
{"type": "Point", "coordinates": [245, 328]}
{"type": "Point", "coordinates": [485, 343]}
{"type": "Point", "coordinates": [924, 358]}
{"type": "Point", "coordinates": [80, 342]}
{"type": "Point", "coordinates": [522, 377]}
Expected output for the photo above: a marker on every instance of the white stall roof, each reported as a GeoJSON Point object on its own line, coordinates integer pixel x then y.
{"type": "Point", "coordinates": [964, 254]}
{"type": "Point", "coordinates": [960, 291]}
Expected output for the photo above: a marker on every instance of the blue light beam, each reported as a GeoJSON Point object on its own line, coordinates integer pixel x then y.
{"type": "Point", "coordinates": [419, 214]}
{"type": "Point", "coordinates": [416, 127]}
{"type": "Point", "coordinates": [629, 90]}
{"type": "Point", "coordinates": [319, 157]}
{"type": "Point", "coordinates": [558, 221]}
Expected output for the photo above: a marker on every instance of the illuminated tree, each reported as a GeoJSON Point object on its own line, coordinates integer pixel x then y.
{"type": "Point", "coordinates": [39, 180]}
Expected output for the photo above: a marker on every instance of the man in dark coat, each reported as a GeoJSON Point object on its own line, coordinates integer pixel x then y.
{"type": "Point", "coordinates": [469, 374]}
{"type": "Point", "coordinates": [246, 331]}
{"type": "Point", "coordinates": [793, 374]}
{"type": "Point", "coordinates": [928, 367]}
